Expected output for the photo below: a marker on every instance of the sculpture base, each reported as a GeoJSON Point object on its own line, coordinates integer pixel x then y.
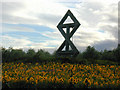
{"type": "Point", "coordinates": [67, 53]}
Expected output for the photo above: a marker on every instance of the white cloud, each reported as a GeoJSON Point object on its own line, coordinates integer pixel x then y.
{"type": "Point", "coordinates": [54, 35]}
{"type": "Point", "coordinates": [16, 28]}
{"type": "Point", "coordinates": [33, 12]}
{"type": "Point", "coordinates": [25, 44]}
{"type": "Point", "coordinates": [8, 41]}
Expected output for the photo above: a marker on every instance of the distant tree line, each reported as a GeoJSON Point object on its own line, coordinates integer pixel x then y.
{"type": "Point", "coordinates": [92, 54]}
{"type": "Point", "coordinates": [13, 55]}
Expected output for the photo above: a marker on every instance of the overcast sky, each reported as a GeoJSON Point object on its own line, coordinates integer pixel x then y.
{"type": "Point", "coordinates": [32, 23]}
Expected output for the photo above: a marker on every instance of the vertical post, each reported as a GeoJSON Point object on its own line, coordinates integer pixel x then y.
{"type": "Point", "coordinates": [119, 24]}
{"type": "Point", "coordinates": [67, 36]}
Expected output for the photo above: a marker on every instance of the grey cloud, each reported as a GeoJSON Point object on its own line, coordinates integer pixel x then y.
{"type": "Point", "coordinates": [42, 18]}
{"type": "Point", "coordinates": [106, 44]}
{"type": "Point", "coordinates": [119, 34]}
{"type": "Point", "coordinates": [9, 7]}
{"type": "Point", "coordinates": [94, 5]}
{"type": "Point", "coordinates": [111, 29]}
{"type": "Point", "coordinates": [87, 14]}
{"type": "Point", "coordinates": [89, 17]}
{"type": "Point", "coordinates": [49, 18]}
{"type": "Point", "coordinates": [81, 48]}
{"type": "Point", "coordinates": [18, 20]}
{"type": "Point", "coordinates": [113, 18]}
{"type": "Point", "coordinates": [51, 50]}
{"type": "Point", "coordinates": [86, 35]}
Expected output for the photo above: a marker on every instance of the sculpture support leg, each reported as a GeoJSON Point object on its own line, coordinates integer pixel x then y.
{"type": "Point", "coordinates": [67, 35]}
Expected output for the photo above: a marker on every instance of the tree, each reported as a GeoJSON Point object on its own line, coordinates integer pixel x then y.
{"type": "Point", "coordinates": [42, 55]}
{"type": "Point", "coordinates": [117, 53]}
{"type": "Point", "coordinates": [10, 54]}
{"type": "Point", "coordinates": [90, 53]}
{"type": "Point", "coordinates": [6, 54]}
{"type": "Point", "coordinates": [30, 54]}
{"type": "Point", "coordinates": [17, 54]}
{"type": "Point", "coordinates": [108, 55]}
{"type": "Point", "coordinates": [54, 53]}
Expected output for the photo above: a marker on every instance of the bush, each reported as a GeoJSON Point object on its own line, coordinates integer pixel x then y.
{"type": "Point", "coordinates": [91, 53]}
{"type": "Point", "coordinates": [42, 56]}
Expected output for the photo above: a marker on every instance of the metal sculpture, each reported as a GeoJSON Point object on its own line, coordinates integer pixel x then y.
{"type": "Point", "coordinates": [67, 42]}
